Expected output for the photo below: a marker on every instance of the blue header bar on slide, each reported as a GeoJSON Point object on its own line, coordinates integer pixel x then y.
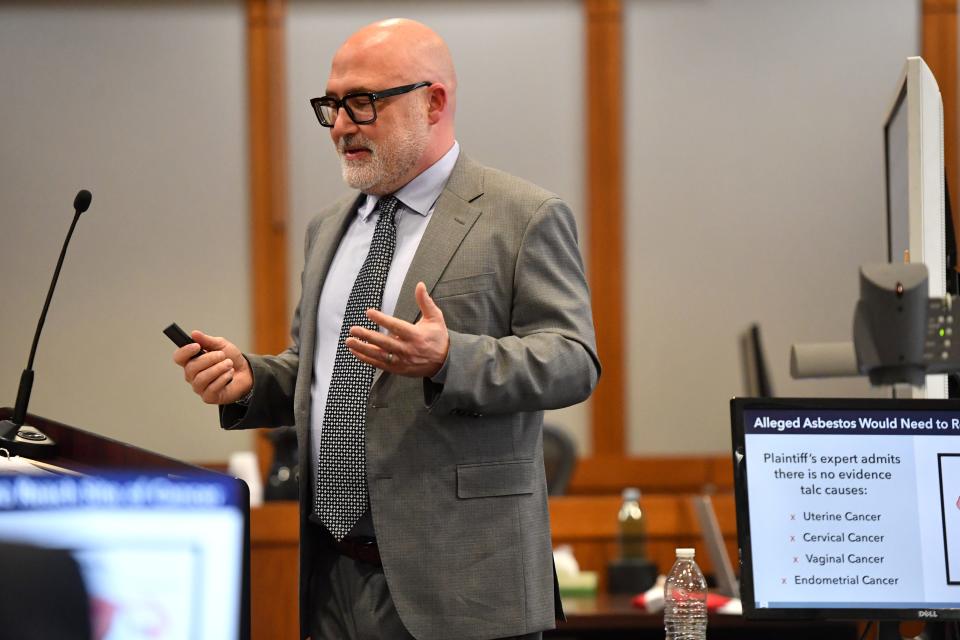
{"type": "Point", "coordinates": [852, 422]}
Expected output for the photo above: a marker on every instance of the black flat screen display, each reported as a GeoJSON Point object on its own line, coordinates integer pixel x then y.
{"type": "Point", "coordinates": [848, 508]}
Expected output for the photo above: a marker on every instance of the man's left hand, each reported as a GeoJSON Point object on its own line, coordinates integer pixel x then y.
{"type": "Point", "coordinates": [415, 350]}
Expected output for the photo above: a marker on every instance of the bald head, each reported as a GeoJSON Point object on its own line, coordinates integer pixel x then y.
{"type": "Point", "coordinates": [409, 49]}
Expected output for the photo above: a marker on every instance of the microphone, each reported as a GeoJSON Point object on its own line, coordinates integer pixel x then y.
{"type": "Point", "coordinates": [29, 441]}
{"type": "Point", "coordinates": [82, 202]}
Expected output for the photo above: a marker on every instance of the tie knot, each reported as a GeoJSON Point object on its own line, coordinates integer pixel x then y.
{"type": "Point", "coordinates": [387, 209]}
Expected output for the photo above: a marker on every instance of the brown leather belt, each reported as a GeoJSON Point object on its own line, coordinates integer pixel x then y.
{"type": "Point", "coordinates": [360, 549]}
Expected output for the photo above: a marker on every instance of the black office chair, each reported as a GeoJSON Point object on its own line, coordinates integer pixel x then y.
{"type": "Point", "coordinates": [559, 458]}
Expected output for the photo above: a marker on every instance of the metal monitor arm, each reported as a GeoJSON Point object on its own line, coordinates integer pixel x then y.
{"type": "Point", "coordinates": [900, 335]}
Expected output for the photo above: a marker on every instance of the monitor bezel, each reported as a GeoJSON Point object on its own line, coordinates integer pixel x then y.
{"type": "Point", "coordinates": [750, 611]}
{"type": "Point", "coordinates": [918, 95]}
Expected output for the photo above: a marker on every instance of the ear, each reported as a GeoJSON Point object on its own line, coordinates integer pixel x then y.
{"type": "Point", "coordinates": [437, 102]}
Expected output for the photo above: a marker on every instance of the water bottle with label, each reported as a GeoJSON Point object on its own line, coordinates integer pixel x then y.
{"type": "Point", "coordinates": [685, 600]}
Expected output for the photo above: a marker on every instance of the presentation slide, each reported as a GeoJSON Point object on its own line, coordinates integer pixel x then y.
{"type": "Point", "coordinates": [950, 504]}
{"type": "Point", "coordinates": [854, 509]}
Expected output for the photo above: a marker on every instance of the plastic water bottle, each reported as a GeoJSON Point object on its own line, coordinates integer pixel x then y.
{"type": "Point", "coordinates": [633, 526]}
{"type": "Point", "coordinates": [685, 600]}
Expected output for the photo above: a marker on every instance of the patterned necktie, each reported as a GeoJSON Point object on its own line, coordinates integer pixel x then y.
{"type": "Point", "coordinates": [341, 470]}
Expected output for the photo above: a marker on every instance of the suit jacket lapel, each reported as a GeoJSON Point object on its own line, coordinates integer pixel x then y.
{"type": "Point", "coordinates": [326, 238]}
{"type": "Point", "coordinates": [453, 216]}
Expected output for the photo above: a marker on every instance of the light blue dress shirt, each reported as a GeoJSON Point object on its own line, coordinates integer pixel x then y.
{"type": "Point", "coordinates": [417, 200]}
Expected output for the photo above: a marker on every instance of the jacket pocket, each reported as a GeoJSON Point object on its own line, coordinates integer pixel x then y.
{"type": "Point", "coordinates": [460, 286]}
{"type": "Point", "coordinates": [495, 479]}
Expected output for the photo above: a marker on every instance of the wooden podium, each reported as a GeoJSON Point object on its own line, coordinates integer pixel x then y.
{"type": "Point", "coordinates": [86, 452]}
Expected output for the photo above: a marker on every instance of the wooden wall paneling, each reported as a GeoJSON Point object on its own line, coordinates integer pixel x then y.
{"type": "Point", "coordinates": [274, 561]}
{"type": "Point", "coordinates": [721, 472]}
{"type": "Point", "coordinates": [609, 475]}
{"type": "Point", "coordinates": [273, 602]}
{"type": "Point", "coordinates": [584, 517]}
{"type": "Point", "coordinates": [603, 93]}
{"type": "Point", "coordinates": [267, 98]}
{"type": "Point", "coordinates": [939, 49]}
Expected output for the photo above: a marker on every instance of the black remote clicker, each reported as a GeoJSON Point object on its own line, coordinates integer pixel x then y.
{"type": "Point", "coordinates": [180, 337]}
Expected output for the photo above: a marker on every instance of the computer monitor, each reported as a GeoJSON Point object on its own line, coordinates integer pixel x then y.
{"type": "Point", "coordinates": [848, 509]}
{"type": "Point", "coordinates": [162, 556]}
{"type": "Point", "coordinates": [915, 191]}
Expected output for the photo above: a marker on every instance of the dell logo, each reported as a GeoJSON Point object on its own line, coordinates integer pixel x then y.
{"type": "Point", "coordinates": [926, 613]}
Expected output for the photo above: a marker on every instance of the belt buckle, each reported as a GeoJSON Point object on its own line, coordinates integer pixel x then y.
{"type": "Point", "coordinates": [362, 549]}
{"type": "Point", "coordinates": [363, 541]}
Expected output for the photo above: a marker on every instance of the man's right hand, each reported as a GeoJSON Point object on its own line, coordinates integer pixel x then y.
{"type": "Point", "coordinates": [220, 376]}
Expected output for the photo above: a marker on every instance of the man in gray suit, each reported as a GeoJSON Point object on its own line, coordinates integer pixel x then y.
{"type": "Point", "coordinates": [443, 309]}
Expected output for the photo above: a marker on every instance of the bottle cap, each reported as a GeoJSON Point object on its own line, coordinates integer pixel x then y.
{"type": "Point", "coordinates": [685, 553]}
{"type": "Point", "coordinates": [631, 493]}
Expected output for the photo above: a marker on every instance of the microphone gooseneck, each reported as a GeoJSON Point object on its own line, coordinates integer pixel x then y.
{"type": "Point", "coordinates": [56, 276]}
{"type": "Point", "coordinates": [9, 428]}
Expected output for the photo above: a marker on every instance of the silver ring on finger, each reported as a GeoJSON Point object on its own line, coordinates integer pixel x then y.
{"type": "Point", "coordinates": [389, 358]}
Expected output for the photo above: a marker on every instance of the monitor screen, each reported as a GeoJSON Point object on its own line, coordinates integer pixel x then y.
{"type": "Point", "coordinates": [848, 508]}
{"type": "Point", "coordinates": [161, 557]}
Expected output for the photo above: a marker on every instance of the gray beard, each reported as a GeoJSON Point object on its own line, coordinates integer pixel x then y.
{"type": "Point", "coordinates": [389, 161]}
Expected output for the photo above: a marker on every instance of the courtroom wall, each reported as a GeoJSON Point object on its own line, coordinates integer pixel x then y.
{"type": "Point", "coordinates": [144, 104]}
{"type": "Point", "coordinates": [755, 190]}
{"type": "Point", "coordinates": [753, 171]}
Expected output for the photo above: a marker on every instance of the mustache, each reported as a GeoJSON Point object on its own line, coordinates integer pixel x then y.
{"type": "Point", "coordinates": [355, 140]}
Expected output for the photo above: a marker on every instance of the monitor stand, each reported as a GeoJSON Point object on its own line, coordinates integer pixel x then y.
{"type": "Point", "coordinates": [890, 630]}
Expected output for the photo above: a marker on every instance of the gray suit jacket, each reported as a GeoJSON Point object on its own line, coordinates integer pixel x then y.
{"type": "Point", "coordinates": [455, 472]}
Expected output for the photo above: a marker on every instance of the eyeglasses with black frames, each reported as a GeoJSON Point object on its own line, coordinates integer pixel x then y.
{"type": "Point", "coordinates": [360, 106]}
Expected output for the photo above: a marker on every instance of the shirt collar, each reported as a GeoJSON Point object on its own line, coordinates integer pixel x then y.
{"type": "Point", "coordinates": [420, 194]}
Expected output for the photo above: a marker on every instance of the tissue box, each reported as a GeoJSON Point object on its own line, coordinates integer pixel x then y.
{"type": "Point", "coordinates": [583, 583]}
